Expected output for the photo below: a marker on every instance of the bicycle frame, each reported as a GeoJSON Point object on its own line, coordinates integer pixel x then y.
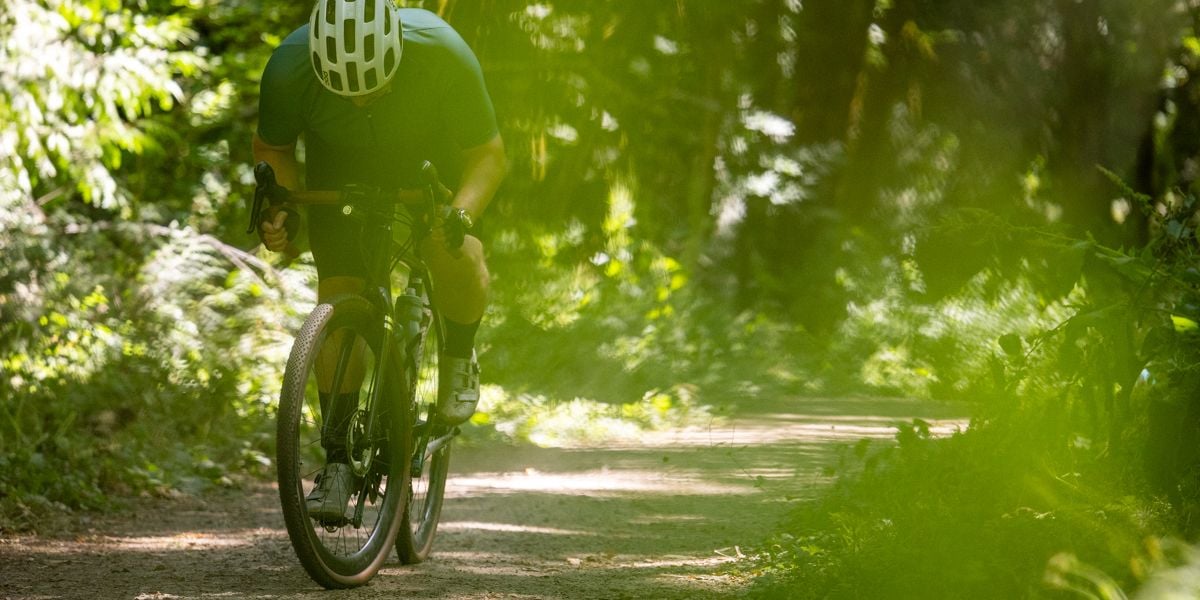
{"type": "Point", "coordinates": [405, 318]}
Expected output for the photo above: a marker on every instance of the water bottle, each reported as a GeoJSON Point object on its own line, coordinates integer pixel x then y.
{"type": "Point", "coordinates": [409, 312]}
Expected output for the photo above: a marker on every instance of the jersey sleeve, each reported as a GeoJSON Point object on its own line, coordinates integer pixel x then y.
{"type": "Point", "coordinates": [279, 122]}
{"type": "Point", "coordinates": [467, 110]}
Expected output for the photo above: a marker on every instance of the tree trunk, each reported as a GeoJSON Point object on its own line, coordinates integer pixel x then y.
{"type": "Point", "coordinates": [829, 57]}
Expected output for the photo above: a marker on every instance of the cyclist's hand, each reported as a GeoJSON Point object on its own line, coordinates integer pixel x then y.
{"type": "Point", "coordinates": [274, 232]}
{"type": "Point", "coordinates": [449, 231]}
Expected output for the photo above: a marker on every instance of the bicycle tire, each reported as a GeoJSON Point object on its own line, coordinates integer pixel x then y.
{"type": "Point", "coordinates": [425, 487]}
{"type": "Point", "coordinates": [348, 554]}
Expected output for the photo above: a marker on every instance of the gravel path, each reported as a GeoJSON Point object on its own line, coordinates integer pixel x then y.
{"type": "Point", "coordinates": [666, 517]}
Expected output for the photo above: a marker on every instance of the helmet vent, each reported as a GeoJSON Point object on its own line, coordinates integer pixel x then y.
{"type": "Point", "coordinates": [349, 36]}
{"type": "Point", "coordinates": [355, 45]}
{"type": "Point", "coordinates": [352, 77]}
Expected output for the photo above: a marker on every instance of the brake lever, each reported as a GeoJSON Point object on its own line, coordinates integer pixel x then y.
{"type": "Point", "coordinates": [266, 189]}
{"type": "Point", "coordinates": [456, 234]}
{"type": "Point", "coordinates": [429, 177]}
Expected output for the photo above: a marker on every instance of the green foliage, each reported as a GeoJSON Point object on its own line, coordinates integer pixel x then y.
{"type": "Point", "coordinates": [627, 326]}
{"type": "Point", "coordinates": [977, 515]}
{"type": "Point", "coordinates": [550, 422]}
{"type": "Point", "coordinates": [138, 354]}
{"type": "Point", "coordinates": [1079, 448]}
{"type": "Point", "coordinates": [77, 78]}
{"type": "Point", "coordinates": [1078, 355]}
{"type": "Point", "coordinates": [198, 353]}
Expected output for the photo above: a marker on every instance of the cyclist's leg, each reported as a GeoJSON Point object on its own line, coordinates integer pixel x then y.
{"type": "Point", "coordinates": [337, 406]}
{"type": "Point", "coordinates": [340, 271]}
{"type": "Point", "coordinates": [463, 277]}
{"type": "Point", "coordinates": [464, 274]}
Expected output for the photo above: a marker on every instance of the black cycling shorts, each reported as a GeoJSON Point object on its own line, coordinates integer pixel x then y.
{"type": "Point", "coordinates": [341, 245]}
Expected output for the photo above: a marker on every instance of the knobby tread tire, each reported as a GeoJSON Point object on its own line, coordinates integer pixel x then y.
{"type": "Point", "coordinates": [327, 570]}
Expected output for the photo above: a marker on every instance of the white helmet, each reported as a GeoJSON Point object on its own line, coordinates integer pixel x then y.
{"type": "Point", "coordinates": [355, 44]}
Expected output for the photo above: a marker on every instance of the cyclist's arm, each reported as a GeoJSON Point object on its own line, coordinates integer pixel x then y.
{"type": "Point", "coordinates": [287, 173]}
{"type": "Point", "coordinates": [484, 167]}
{"type": "Point", "coordinates": [282, 159]}
{"type": "Point", "coordinates": [470, 120]}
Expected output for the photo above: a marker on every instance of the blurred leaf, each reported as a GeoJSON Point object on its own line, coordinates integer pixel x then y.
{"type": "Point", "coordinates": [1184, 324]}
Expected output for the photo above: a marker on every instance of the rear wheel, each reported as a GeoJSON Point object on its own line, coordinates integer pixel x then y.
{"type": "Point", "coordinates": [430, 458]}
{"type": "Point", "coordinates": [341, 347]}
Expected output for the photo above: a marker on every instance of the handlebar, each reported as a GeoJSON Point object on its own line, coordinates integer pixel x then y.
{"type": "Point", "coordinates": [408, 197]}
{"type": "Point", "coordinates": [430, 194]}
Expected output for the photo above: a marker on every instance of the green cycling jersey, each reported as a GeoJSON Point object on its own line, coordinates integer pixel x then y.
{"type": "Point", "coordinates": [436, 107]}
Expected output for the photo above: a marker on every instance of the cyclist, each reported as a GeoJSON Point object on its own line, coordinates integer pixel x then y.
{"type": "Point", "coordinates": [376, 90]}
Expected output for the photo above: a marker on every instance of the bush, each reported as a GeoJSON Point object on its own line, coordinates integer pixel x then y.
{"type": "Point", "coordinates": [978, 515]}
{"type": "Point", "coordinates": [1081, 446]}
{"type": "Point", "coordinates": [152, 380]}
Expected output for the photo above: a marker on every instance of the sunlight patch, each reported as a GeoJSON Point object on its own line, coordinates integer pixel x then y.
{"type": "Point", "coordinates": [797, 429]}
{"type": "Point", "coordinates": [591, 483]}
{"type": "Point", "coordinates": [508, 528]}
{"type": "Point", "coordinates": [182, 541]}
{"type": "Point", "coordinates": [772, 125]}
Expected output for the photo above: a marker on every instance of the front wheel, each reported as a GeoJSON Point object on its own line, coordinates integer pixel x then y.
{"type": "Point", "coordinates": [430, 455]}
{"type": "Point", "coordinates": [341, 352]}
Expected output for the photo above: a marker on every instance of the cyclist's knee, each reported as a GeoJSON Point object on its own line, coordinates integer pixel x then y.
{"type": "Point", "coordinates": [464, 270]}
{"type": "Point", "coordinates": [467, 257]}
{"type": "Point", "coordinates": [472, 250]}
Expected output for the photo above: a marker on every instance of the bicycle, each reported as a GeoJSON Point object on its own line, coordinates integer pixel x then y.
{"type": "Point", "coordinates": [386, 350]}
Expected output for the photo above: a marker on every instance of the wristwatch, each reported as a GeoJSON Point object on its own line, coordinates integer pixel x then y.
{"type": "Point", "coordinates": [464, 217]}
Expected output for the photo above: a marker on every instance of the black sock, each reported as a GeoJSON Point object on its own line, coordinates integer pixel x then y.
{"type": "Point", "coordinates": [460, 339]}
{"type": "Point", "coordinates": [336, 421]}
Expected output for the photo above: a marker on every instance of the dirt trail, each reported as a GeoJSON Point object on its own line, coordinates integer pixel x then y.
{"type": "Point", "coordinates": [657, 520]}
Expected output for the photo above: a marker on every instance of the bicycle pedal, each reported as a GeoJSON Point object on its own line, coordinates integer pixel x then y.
{"type": "Point", "coordinates": [332, 525]}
